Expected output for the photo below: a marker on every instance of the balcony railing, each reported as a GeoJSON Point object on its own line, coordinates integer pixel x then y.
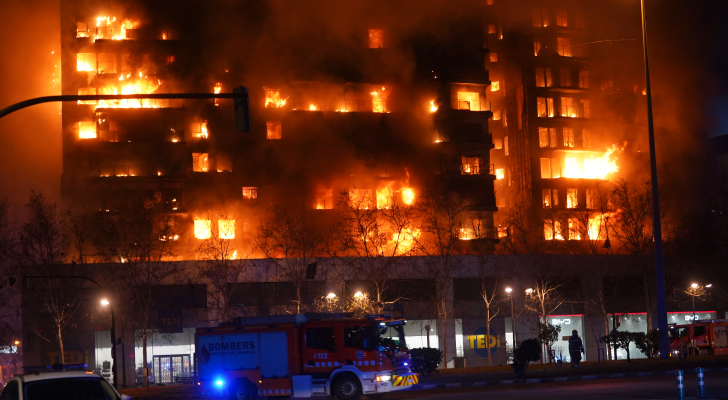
{"type": "Point", "coordinates": [471, 105]}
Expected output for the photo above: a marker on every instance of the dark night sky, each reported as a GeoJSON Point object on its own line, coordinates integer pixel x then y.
{"type": "Point", "coordinates": [688, 58]}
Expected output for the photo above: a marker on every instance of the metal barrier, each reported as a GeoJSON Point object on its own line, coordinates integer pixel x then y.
{"type": "Point", "coordinates": [701, 382]}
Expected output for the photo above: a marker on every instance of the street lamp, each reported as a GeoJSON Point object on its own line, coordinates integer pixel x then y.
{"type": "Point", "coordinates": [331, 296]}
{"type": "Point", "coordinates": [104, 302]}
{"type": "Point", "coordinates": [17, 342]}
{"type": "Point", "coordinates": [513, 317]}
{"type": "Point", "coordinates": [358, 295]}
{"type": "Point", "coordinates": [694, 291]}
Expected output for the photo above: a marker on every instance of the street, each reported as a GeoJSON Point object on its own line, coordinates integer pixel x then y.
{"type": "Point", "coordinates": [653, 387]}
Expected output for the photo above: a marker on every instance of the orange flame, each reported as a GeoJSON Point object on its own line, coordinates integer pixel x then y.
{"type": "Point", "coordinates": [433, 107]}
{"type": "Point", "coordinates": [203, 228]}
{"type": "Point", "coordinates": [311, 107]}
{"type": "Point", "coordinates": [594, 167]}
{"type": "Point", "coordinates": [405, 240]}
{"type": "Point", "coordinates": [273, 98]}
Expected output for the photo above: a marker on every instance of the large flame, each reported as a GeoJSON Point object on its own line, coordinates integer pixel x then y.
{"type": "Point", "coordinates": [203, 228]}
{"type": "Point", "coordinates": [378, 104]}
{"type": "Point", "coordinates": [385, 195]}
{"type": "Point", "coordinates": [595, 166]}
{"type": "Point", "coordinates": [130, 84]}
{"type": "Point", "coordinates": [273, 98]}
{"type": "Point", "coordinates": [433, 107]}
{"type": "Point", "coordinates": [598, 226]}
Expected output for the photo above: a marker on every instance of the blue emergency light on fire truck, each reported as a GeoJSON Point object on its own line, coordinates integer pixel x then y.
{"type": "Point", "coordinates": [305, 355]}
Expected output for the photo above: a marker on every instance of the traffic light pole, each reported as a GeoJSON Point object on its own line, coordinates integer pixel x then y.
{"type": "Point", "coordinates": [240, 94]}
{"type": "Point", "coordinates": [656, 223]}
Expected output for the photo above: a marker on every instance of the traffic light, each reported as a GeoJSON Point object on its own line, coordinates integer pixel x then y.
{"type": "Point", "coordinates": [242, 109]}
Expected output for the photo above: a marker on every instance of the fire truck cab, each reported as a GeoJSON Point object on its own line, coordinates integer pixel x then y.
{"type": "Point", "coordinates": [700, 338]}
{"type": "Point", "coordinates": [304, 355]}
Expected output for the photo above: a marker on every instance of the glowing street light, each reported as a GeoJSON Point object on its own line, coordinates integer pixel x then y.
{"type": "Point", "coordinates": [17, 342]}
{"type": "Point", "coordinates": [331, 296]}
{"type": "Point", "coordinates": [694, 285]}
{"type": "Point", "coordinates": [509, 290]}
{"type": "Point", "coordinates": [104, 302]}
{"type": "Point", "coordinates": [529, 291]}
{"type": "Point", "coordinates": [358, 295]}
{"type": "Point", "coordinates": [513, 317]}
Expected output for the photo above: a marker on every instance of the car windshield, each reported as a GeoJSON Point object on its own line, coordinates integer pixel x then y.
{"type": "Point", "coordinates": [81, 388]}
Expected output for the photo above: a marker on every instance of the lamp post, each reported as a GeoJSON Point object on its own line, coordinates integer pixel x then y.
{"type": "Point", "coordinates": [694, 291]}
{"type": "Point", "coordinates": [656, 224]}
{"type": "Point", "coordinates": [513, 317]}
{"type": "Point", "coordinates": [105, 302]}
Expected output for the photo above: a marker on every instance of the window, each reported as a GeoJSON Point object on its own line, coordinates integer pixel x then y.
{"type": "Point", "coordinates": [469, 101]}
{"type": "Point", "coordinates": [565, 77]}
{"type": "Point", "coordinates": [574, 233]}
{"type": "Point", "coordinates": [356, 337]}
{"type": "Point", "coordinates": [536, 46]}
{"type": "Point", "coordinates": [505, 118]}
{"type": "Point", "coordinates": [199, 129]}
{"type": "Point", "coordinates": [546, 198]}
{"type": "Point", "coordinates": [564, 47]}
{"type": "Point", "coordinates": [81, 30]}
{"type": "Point", "coordinates": [545, 168]}
{"type": "Point", "coordinates": [591, 199]}
{"type": "Point", "coordinates": [375, 39]}
{"type": "Point", "coordinates": [203, 228]}
{"type": "Point", "coordinates": [543, 77]}
{"type": "Point", "coordinates": [494, 86]}
{"type": "Point", "coordinates": [505, 145]}
{"type": "Point", "coordinates": [106, 63]}
{"type": "Point", "coordinates": [324, 199]}
{"type": "Point", "coordinates": [87, 130]}
{"type": "Point", "coordinates": [579, 20]}
{"type": "Point", "coordinates": [250, 192]}
{"type": "Point", "coordinates": [11, 391]}
{"type": "Point", "coordinates": [273, 129]}
{"type": "Point", "coordinates": [567, 107]}
{"type": "Point", "coordinates": [699, 331]}
{"type": "Point", "coordinates": [545, 107]}
{"type": "Point", "coordinates": [584, 78]}
{"type": "Point", "coordinates": [586, 137]}
{"type": "Point", "coordinates": [86, 62]}
{"type": "Point", "coordinates": [226, 228]}
{"type": "Point", "coordinates": [224, 164]}
{"type": "Point", "coordinates": [491, 28]}
{"type": "Point", "coordinates": [320, 338]}
{"type": "Point", "coordinates": [568, 137]}
{"type": "Point", "coordinates": [496, 115]}
{"type": "Point", "coordinates": [547, 137]}
{"type": "Point", "coordinates": [552, 230]}
{"type": "Point", "coordinates": [498, 143]}
{"type": "Point", "coordinates": [572, 201]}
{"type": "Point", "coordinates": [493, 57]}
{"type": "Point", "coordinates": [561, 18]}
{"type": "Point", "coordinates": [585, 108]}
{"type": "Point", "coordinates": [540, 18]}
{"type": "Point", "coordinates": [200, 162]}
{"type": "Point", "coordinates": [471, 165]}
{"type": "Point", "coordinates": [555, 198]}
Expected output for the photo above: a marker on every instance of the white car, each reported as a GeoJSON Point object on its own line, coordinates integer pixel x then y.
{"type": "Point", "coordinates": [60, 385]}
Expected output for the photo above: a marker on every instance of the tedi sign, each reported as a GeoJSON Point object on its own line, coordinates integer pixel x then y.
{"type": "Point", "coordinates": [482, 341]}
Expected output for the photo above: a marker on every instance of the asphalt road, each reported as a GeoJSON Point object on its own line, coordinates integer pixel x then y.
{"type": "Point", "coordinates": [654, 387]}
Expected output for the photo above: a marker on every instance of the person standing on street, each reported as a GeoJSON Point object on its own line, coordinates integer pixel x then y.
{"type": "Point", "coordinates": [576, 347]}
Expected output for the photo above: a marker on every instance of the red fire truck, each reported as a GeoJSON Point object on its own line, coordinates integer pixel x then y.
{"type": "Point", "coordinates": [708, 336]}
{"type": "Point", "coordinates": [304, 356]}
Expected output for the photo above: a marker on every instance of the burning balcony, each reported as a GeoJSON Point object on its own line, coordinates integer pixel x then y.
{"type": "Point", "coordinates": [87, 129]}
{"type": "Point", "coordinates": [581, 164]}
{"type": "Point", "coordinates": [471, 165]}
{"type": "Point", "coordinates": [273, 129]}
{"type": "Point", "coordinates": [199, 130]}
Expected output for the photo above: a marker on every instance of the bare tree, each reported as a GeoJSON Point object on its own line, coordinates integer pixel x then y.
{"type": "Point", "coordinates": [222, 261]}
{"type": "Point", "coordinates": [588, 225]}
{"type": "Point", "coordinates": [376, 239]}
{"type": "Point", "coordinates": [525, 233]}
{"type": "Point", "coordinates": [492, 298]}
{"type": "Point", "coordinates": [79, 230]}
{"type": "Point", "coordinates": [292, 242]}
{"type": "Point", "coordinates": [633, 223]}
{"type": "Point", "coordinates": [441, 218]}
{"type": "Point", "coordinates": [42, 237]}
{"type": "Point", "coordinates": [139, 241]}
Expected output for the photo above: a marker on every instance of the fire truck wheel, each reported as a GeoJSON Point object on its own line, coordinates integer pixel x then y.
{"type": "Point", "coordinates": [243, 390]}
{"type": "Point", "coordinates": [346, 387]}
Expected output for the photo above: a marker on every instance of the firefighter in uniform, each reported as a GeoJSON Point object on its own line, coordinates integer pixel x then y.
{"type": "Point", "coordinates": [575, 348]}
